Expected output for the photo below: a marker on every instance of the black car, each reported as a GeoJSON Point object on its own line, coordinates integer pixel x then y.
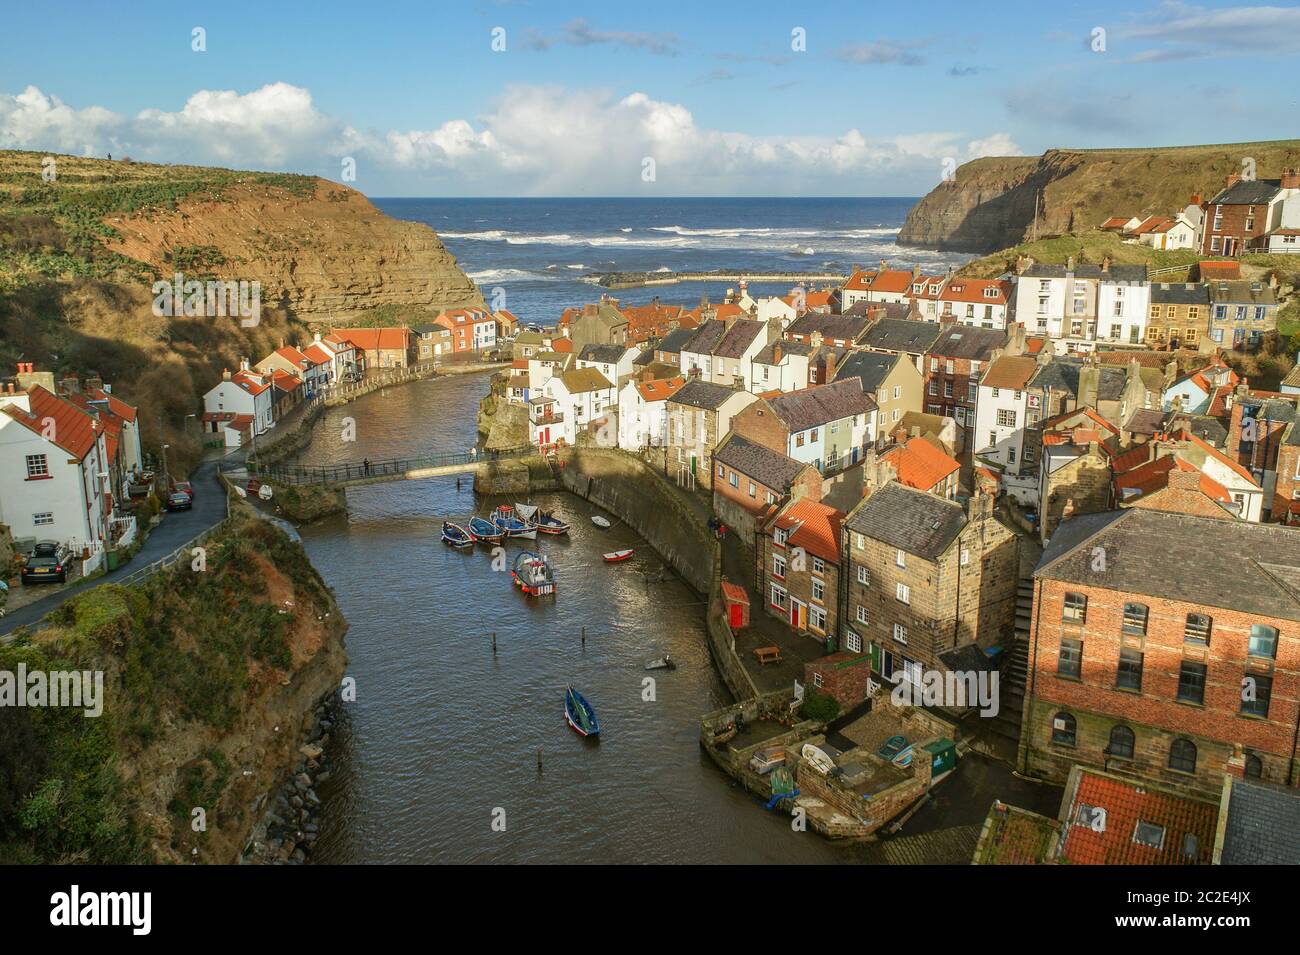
{"type": "Point", "coordinates": [179, 501]}
{"type": "Point", "coordinates": [48, 563]}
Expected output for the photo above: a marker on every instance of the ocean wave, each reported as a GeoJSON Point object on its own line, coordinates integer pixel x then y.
{"type": "Point", "coordinates": [575, 266]}
{"type": "Point", "coordinates": [502, 275]}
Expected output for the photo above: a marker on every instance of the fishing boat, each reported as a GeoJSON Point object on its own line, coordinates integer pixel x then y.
{"type": "Point", "coordinates": [484, 531]}
{"type": "Point", "coordinates": [601, 522]}
{"type": "Point", "coordinates": [505, 518]}
{"type": "Point", "coordinates": [618, 556]}
{"type": "Point", "coordinates": [533, 575]}
{"type": "Point", "coordinates": [664, 662]}
{"type": "Point", "coordinates": [580, 714]}
{"type": "Point", "coordinates": [455, 535]}
{"type": "Point", "coordinates": [548, 523]}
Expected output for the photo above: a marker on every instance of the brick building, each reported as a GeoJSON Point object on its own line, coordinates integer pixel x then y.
{"type": "Point", "coordinates": [799, 567]}
{"type": "Point", "coordinates": [1179, 316]}
{"type": "Point", "coordinates": [953, 366]}
{"type": "Point", "coordinates": [753, 480]}
{"type": "Point", "coordinates": [929, 583]}
{"type": "Point", "coordinates": [1237, 218]}
{"type": "Point", "coordinates": [1159, 641]}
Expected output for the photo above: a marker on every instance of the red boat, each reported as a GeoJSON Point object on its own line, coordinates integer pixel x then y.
{"type": "Point", "coordinates": [615, 557]}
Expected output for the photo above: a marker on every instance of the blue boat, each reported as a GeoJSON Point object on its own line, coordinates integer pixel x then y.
{"type": "Point", "coordinates": [505, 518]}
{"type": "Point", "coordinates": [484, 531]}
{"type": "Point", "coordinates": [455, 535]}
{"type": "Point", "coordinates": [580, 714]}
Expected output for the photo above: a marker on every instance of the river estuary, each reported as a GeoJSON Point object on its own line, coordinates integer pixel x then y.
{"type": "Point", "coordinates": [444, 732]}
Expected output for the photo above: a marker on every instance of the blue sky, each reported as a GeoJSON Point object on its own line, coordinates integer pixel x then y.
{"type": "Point", "coordinates": [881, 96]}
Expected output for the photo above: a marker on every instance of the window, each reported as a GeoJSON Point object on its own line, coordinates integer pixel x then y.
{"type": "Point", "coordinates": [900, 633]}
{"type": "Point", "coordinates": [1182, 755]}
{"type": "Point", "coordinates": [780, 536]}
{"type": "Point", "coordinates": [864, 576]}
{"type": "Point", "coordinates": [722, 471]}
{"type": "Point", "coordinates": [37, 466]}
{"type": "Point", "coordinates": [1135, 618]}
{"type": "Point", "coordinates": [900, 559]}
{"type": "Point", "coordinates": [1197, 629]}
{"type": "Point", "coordinates": [1064, 729]}
{"type": "Point", "coordinates": [812, 435]}
{"type": "Point", "coordinates": [1121, 742]}
{"type": "Point", "coordinates": [1129, 675]}
{"type": "Point", "coordinates": [1149, 834]}
{"type": "Point", "coordinates": [898, 391]}
{"type": "Point", "coordinates": [779, 597]}
{"type": "Point", "coordinates": [44, 517]}
{"type": "Point", "coordinates": [798, 440]}
{"type": "Point", "coordinates": [903, 594]}
{"type": "Point", "coordinates": [1070, 660]}
{"type": "Point", "coordinates": [853, 642]}
{"type": "Point", "coordinates": [965, 556]}
{"type": "Point", "coordinates": [1254, 767]}
{"type": "Point", "coordinates": [819, 565]}
{"type": "Point", "coordinates": [818, 591]}
{"type": "Point", "coordinates": [1075, 609]}
{"type": "Point", "coordinates": [1263, 641]}
{"type": "Point", "coordinates": [817, 617]}
{"type": "Point", "coordinates": [863, 617]}
{"type": "Point", "coordinates": [1255, 694]}
{"type": "Point", "coordinates": [1191, 682]}
{"type": "Point", "coordinates": [778, 565]}
{"type": "Point", "coordinates": [734, 480]}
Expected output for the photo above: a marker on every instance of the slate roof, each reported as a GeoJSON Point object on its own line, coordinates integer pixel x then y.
{"type": "Point", "coordinates": [961, 341]}
{"type": "Point", "coordinates": [913, 521]}
{"type": "Point", "coordinates": [1145, 421]}
{"type": "Point", "coordinates": [1248, 192]}
{"type": "Point", "coordinates": [706, 337]}
{"type": "Point", "coordinates": [1263, 825]}
{"type": "Point", "coordinates": [1210, 430]}
{"type": "Point", "coordinates": [584, 379]}
{"type": "Point", "coordinates": [1180, 293]}
{"type": "Point", "coordinates": [811, 407]}
{"type": "Point", "coordinates": [739, 337]}
{"type": "Point", "coordinates": [767, 355]}
{"type": "Point", "coordinates": [1242, 292]}
{"type": "Point", "coordinates": [902, 335]}
{"type": "Point", "coordinates": [871, 368]}
{"type": "Point", "coordinates": [604, 354]}
{"type": "Point", "coordinates": [1062, 374]}
{"type": "Point", "coordinates": [672, 342]}
{"type": "Point", "coordinates": [1085, 270]}
{"type": "Point", "coordinates": [767, 467]}
{"type": "Point", "coordinates": [839, 327]}
{"type": "Point", "coordinates": [1198, 560]}
{"type": "Point", "coordinates": [702, 394]}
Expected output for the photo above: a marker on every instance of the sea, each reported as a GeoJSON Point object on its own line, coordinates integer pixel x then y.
{"type": "Point", "coordinates": [536, 252]}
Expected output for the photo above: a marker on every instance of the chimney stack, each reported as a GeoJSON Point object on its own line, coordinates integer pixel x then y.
{"type": "Point", "coordinates": [1291, 177]}
{"type": "Point", "coordinates": [1231, 180]}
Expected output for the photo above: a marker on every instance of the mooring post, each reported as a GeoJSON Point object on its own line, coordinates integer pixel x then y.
{"type": "Point", "coordinates": [494, 643]}
{"type": "Point", "coordinates": [584, 638]}
{"type": "Point", "coordinates": [539, 762]}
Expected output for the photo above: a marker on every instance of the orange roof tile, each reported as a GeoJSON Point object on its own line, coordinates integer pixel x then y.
{"type": "Point", "coordinates": [1010, 371]}
{"type": "Point", "coordinates": [1154, 476]}
{"type": "Point", "coordinates": [920, 464]}
{"type": "Point", "coordinates": [373, 339]}
{"type": "Point", "coordinates": [75, 430]}
{"type": "Point", "coordinates": [816, 527]}
{"type": "Point", "coordinates": [660, 389]}
{"type": "Point", "coordinates": [251, 382]}
{"type": "Point", "coordinates": [1126, 804]}
{"type": "Point", "coordinates": [319, 354]}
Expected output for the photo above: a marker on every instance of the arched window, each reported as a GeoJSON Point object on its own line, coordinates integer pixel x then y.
{"type": "Point", "coordinates": [1121, 742]}
{"type": "Point", "coordinates": [1182, 755]}
{"type": "Point", "coordinates": [1063, 729]}
{"type": "Point", "coordinates": [1254, 767]}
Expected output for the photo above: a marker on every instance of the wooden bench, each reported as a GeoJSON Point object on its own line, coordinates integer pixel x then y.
{"type": "Point", "coordinates": [768, 655]}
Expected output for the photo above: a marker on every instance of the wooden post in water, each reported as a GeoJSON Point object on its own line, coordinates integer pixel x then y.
{"type": "Point", "coordinates": [539, 761]}
{"type": "Point", "coordinates": [494, 643]}
{"type": "Point", "coordinates": [584, 638]}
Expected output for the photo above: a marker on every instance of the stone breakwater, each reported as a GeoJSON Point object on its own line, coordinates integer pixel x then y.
{"type": "Point", "coordinates": [290, 827]}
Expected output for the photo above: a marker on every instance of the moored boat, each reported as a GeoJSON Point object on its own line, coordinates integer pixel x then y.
{"type": "Point", "coordinates": [580, 714]}
{"type": "Point", "coordinates": [505, 518]}
{"type": "Point", "coordinates": [664, 662]}
{"type": "Point", "coordinates": [533, 575]}
{"type": "Point", "coordinates": [599, 521]}
{"type": "Point", "coordinates": [484, 531]}
{"type": "Point", "coordinates": [455, 535]}
{"type": "Point", "coordinates": [548, 523]}
{"type": "Point", "coordinates": [618, 556]}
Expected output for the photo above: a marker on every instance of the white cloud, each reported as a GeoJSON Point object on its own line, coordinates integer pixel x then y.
{"type": "Point", "coordinates": [1183, 31]}
{"type": "Point", "coordinates": [535, 140]}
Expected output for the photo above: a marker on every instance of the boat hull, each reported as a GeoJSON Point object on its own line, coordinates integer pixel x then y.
{"type": "Point", "coordinates": [453, 535]}
{"type": "Point", "coordinates": [618, 556]}
{"type": "Point", "coordinates": [576, 707]}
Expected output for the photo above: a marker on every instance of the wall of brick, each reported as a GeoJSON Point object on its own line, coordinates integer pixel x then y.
{"type": "Point", "coordinates": [759, 424]}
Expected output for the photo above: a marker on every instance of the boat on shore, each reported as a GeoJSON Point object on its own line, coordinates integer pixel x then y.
{"type": "Point", "coordinates": [455, 535]}
{"type": "Point", "coordinates": [580, 714]}
{"type": "Point", "coordinates": [618, 556]}
{"type": "Point", "coordinates": [484, 531]}
{"type": "Point", "coordinates": [505, 518]}
{"type": "Point", "coordinates": [533, 575]}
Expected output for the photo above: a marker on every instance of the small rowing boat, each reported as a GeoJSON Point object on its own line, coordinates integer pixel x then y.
{"type": "Point", "coordinates": [580, 714]}
{"type": "Point", "coordinates": [505, 518]}
{"type": "Point", "coordinates": [533, 575]}
{"type": "Point", "coordinates": [455, 535]}
{"type": "Point", "coordinates": [618, 556]}
{"type": "Point", "coordinates": [484, 531]}
{"type": "Point", "coordinates": [548, 523]}
{"type": "Point", "coordinates": [601, 522]}
{"type": "Point", "coordinates": [664, 662]}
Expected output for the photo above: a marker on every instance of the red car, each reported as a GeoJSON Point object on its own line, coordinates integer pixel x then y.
{"type": "Point", "coordinates": [184, 487]}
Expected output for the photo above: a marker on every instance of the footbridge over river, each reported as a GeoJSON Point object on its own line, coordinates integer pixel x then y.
{"type": "Point", "coordinates": [357, 473]}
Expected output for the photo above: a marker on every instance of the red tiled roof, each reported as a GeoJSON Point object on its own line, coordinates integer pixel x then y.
{"type": "Point", "coordinates": [1154, 476]}
{"type": "Point", "coordinates": [817, 530]}
{"type": "Point", "coordinates": [1010, 371]}
{"type": "Point", "coordinates": [74, 430]}
{"type": "Point", "coordinates": [1114, 222]}
{"type": "Point", "coordinates": [660, 389]}
{"type": "Point", "coordinates": [562, 345]}
{"type": "Point", "coordinates": [920, 464]}
{"type": "Point", "coordinates": [373, 339]}
{"type": "Point", "coordinates": [319, 353]}
{"type": "Point", "coordinates": [1221, 270]}
{"type": "Point", "coordinates": [115, 404]}
{"type": "Point", "coordinates": [250, 382]}
{"type": "Point", "coordinates": [1126, 804]}
{"type": "Point", "coordinates": [293, 356]}
{"type": "Point", "coordinates": [285, 381]}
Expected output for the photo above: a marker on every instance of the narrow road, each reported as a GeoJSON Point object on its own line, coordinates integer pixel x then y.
{"type": "Point", "coordinates": [176, 528]}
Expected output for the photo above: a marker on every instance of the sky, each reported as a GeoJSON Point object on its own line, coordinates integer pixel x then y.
{"type": "Point", "coordinates": [518, 98]}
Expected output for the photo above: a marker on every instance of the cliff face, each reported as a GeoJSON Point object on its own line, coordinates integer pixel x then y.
{"type": "Point", "coordinates": [329, 256]}
{"type": "Point", "coordinates": [989, 204]}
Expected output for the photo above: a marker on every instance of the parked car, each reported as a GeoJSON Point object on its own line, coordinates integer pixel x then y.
{"type": "Point", "coordinates": [49, 562]}
{"type": "Point", "coordinates": [179, 501]}
{"type": "Point", "coordinates": [184, 487]}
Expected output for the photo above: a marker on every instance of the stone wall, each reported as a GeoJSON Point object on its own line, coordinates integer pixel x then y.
{"type": "Point", "coordinates": [624, 485]}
